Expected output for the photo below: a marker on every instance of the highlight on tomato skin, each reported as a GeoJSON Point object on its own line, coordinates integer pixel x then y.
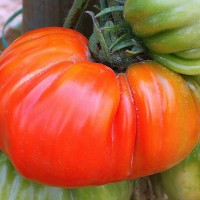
{"type": "Point", "coordinates": [66, 121]}
{"type": "Point", "coordinates": [167, 117]}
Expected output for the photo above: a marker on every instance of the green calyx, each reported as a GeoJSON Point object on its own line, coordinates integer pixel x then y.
{"type": "Point", "coordinates": [112, 41]}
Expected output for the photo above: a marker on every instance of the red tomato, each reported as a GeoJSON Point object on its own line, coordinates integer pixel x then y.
{"type": "Point", "coordinates": [67, 121]}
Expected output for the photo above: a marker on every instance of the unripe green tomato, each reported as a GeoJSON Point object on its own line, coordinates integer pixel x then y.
{"type": "Point", "coordinates": [166, 26]}
{"type": "Point", "coordinates": [182, 182]}
{"type": "Point", "coordinates": [170, 30]}
{"type": "Point", "coordinates": [114, 191]}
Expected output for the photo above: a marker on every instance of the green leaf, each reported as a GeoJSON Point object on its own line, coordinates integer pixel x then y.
{"type": "Point", "coordinates": [110, 9]}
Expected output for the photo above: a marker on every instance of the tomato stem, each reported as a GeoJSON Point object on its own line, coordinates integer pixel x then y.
{"type": "Point", "coordinates": [112, 41]}
{"type": "Point", "coordinates": [148, 188]}
{"type": "Point", "coordinates": [75, 13]}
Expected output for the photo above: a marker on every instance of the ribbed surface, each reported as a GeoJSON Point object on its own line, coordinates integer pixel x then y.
{"type": "Point", "coordinates": [166, 27]}
{"type": "Point", "coordinates": [69, 122]}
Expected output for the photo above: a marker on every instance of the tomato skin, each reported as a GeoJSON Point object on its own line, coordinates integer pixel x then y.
{"type": "Point", "coordinates": [21, 188]}
{"type": "Point", "coordinates": [194, 85]}
{"type": "Point", "coordinates": [66, 121]}
{"type": "Point", "coordinates": [161, 115]}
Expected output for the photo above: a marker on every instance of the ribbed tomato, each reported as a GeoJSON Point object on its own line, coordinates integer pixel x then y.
{"type": "Point", "coordinates": [170, 30]}
{"type": "Point", "coordinates": [67, 121]}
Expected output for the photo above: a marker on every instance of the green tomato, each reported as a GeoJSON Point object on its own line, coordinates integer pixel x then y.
{"type": "Point", "coordinates": [179, 65]}
{"type": "Point", "coordinates": [166, 26]}
{"type": "Point", "coordinates": [113, 191]}
{"type": "Point", "coordinates": [182, 182]}
{"type": "Point", "coordinates": [14, 187]}
{"type": "Point", "coordinates": [170, 30]}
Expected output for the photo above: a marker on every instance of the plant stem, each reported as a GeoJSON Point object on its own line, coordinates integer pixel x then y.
{"type": "Point", "coordinates": [75, 13]}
